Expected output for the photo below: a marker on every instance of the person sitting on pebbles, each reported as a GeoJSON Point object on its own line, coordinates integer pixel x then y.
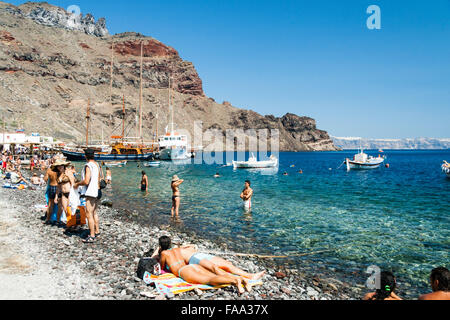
{"type": "Point", "coordinates": [388, 284]}
{"type": "Point", "coordinates": [173, 261]}
{"type": "Point", "coordinates": [440, 283]}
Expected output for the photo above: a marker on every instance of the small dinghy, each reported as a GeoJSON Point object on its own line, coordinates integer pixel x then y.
{"type": "Point", "coordinates": [152, 164]}
{"type": "Point", "coordinates": [253, 163]}
{"type": "Point", "coordinates": [116, 163]}
{"type": "Point", "coordinates": [362, 161]}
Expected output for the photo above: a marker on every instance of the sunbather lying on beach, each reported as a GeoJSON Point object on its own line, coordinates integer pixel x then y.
{"type": "Point", "coordinates": [388, 285]}
{"type": "Point", "coordinates": [215, 264]}
{"type": "Point", "coordinates": [172, 260]}
{"type": "Point", "coordinates": [440, 283]}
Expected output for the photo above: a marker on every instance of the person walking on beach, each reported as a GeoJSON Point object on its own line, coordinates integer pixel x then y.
{"type": "Point", "coordinates": [51, 178]}
{"type": "Point", "coordinates": [440, 284]}
{"type": "Point", "coordinates": [388, 284]}
{"type": "Point", "coordinates": [144, 182]}
{"type": "Point", "coordinates": [175, 185]}
{"type": "Point", "coordinates": [247, 196]}
{"type": "Point", "coordinates": [90, 180]}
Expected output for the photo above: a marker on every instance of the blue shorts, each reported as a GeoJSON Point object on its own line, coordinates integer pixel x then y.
{"type": "Point", "coordinates": [52, 192]}
{"type": "Point", "coordinates": [196, 258]}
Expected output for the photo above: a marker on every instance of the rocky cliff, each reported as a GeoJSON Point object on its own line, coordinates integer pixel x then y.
{"type": "Point", "coordinates": [51, 65]}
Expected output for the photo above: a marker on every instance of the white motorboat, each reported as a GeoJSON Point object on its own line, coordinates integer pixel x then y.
{"type": "Point", "coordinates": [152, 164]}
{"type": "Point", "coordinates": [253, 163]}
{"type": "Point", "coordinates": [362, 161]}
{"type": "Point", "coordinates": [446, 168]}
{"type": "Point", "coordinates": [116, 163]}
{"type": "Point", "coordinates": [173, 146]}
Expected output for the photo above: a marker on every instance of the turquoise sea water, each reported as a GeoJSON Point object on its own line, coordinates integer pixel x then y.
{"type": "Point", "coordinates": [397, 218]}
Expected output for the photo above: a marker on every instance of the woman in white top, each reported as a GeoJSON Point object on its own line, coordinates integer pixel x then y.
{"type": "Point", "coordinates": [90, 177]}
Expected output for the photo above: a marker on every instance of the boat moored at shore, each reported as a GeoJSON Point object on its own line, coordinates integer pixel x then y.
{"type": "Point", "coordinates": [362, 161]}
{"type": "Point", "coordinates": [253, 163]}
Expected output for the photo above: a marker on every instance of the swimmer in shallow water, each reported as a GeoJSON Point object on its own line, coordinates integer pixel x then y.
{"type": "Point", "coordinates": [247, 195]}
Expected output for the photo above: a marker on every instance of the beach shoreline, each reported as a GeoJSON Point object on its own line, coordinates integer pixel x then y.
{"type": "Point", "coordinates": [107, 269]}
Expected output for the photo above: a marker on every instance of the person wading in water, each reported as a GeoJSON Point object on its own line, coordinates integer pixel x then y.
{"type": "Point", "coordinates": [176, 182]}
{"type": "Point", "coordinates": [247, 195]}
{"type": "Point", "coordinates": [144, 182]}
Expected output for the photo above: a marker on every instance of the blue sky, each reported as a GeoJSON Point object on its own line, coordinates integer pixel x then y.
{"type": "Point", "coordinates": [312, 58]}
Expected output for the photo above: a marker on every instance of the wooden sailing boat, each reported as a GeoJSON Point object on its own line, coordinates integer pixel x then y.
{"type": "Point", "coordinates": [123, 148]}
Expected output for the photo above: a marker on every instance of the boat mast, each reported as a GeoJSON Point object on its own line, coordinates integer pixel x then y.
{"type": "Point", "coordinates": [112, 68]}
{"type": "Point", "coordinates": [140, 94]}
{"type": "Point", "coordinates": [123, 120]}
{"type": "Point", "coordinates": [88, 117]}
{"type": "Point", "coordinates": [4, 130]}
{"type": "Point", "coordinates": [170, 102]}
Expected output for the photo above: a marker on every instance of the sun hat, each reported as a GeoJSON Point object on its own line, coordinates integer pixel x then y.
{"type": "Point", "coordinates": [60, 162]}
{"type": "Point", "coordinates": [175, 178]}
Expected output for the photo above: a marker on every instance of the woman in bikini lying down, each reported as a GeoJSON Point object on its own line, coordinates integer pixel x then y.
{"type": "Point", "coordinates": [172, 260]}
{"type": "Point", "coordinates": [215, 264]}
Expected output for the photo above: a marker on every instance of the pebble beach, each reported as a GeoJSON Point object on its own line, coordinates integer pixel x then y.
{"type": "Point", "coordinates": [42, 262]}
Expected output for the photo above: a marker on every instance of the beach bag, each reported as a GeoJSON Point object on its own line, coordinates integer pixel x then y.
{"type": "Point", "coordinates": [102, 182]}
{"type": "Point", "coordinates": [77, 219]}
{"type": "Point", "coordinates": [150, 265]}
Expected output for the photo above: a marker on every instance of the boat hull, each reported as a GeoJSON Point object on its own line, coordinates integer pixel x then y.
{"type": "Point", "coordinates": [446, 170]}
{"type": "Point", "coordinates": [79, 156]}
{"type": "Point", "coordinates": [351, 165]}
{"type": "Point", "coordinates": [173, 154]}
{"type": "Point", "coordinates": [152, 164]}
{"type": "Point", "coordinates": [257, 165]}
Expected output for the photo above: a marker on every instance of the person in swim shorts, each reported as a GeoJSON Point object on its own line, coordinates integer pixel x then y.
{"type": "Point", "coordinates": [51, 177]}
{"type": "Point", "coordinates": [215, 264]}
{"type": "Point", "coordinates": [247, 195]}
{"type": "Point", "coordinates": [144, 182]}
{"type": "Point", "coordinates": [172, 260]}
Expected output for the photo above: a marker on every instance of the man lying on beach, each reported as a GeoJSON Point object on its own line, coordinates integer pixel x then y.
{"type": "Point", "coordinates": [172, 260]}
{"type": "Point", "coordinates": [440, 283]}
{"type": "Point", "coordinates": [388, 284]}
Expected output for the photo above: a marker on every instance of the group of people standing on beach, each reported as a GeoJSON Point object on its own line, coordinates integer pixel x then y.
{"type": "Point", "coordinates": [64, 186]}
